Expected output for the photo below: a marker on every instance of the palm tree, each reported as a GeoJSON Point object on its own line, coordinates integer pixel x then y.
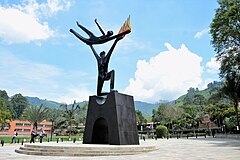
{"type": "Point", "coordinates": [68, 118]}
{"type": "Point", "coordinates": [52, 117]}
{"type": "Point", "coordinates": [35, 114]}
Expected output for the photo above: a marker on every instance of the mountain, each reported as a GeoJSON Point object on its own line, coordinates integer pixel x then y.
{"type": "Point", "coordinates": [206, 93]}
{"type": "Point", "coordinates": [35, 101]}
{"type": "Point", "coordinates": [145, 108]}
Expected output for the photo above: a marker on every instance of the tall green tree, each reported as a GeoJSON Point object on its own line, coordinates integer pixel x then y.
{"type": "Point", "coordinates": [68, 118]}
{"type": "Point", "coordinates": [158, 115]}
{"type": "Point", "coordinates": [167, 115]}
{"type": "Point", "coordinates": [225, 26]}
{"type": "Point", "coordinates": [199, 100]}
{"type": "Point", "coordinates": [3, 95]}
{"type": "Point", "coordinates": [5, 114]}
{"type": "Point", "coordinates": [53, 114]}
{"type": "Point", "coordinates": [190, 96]}
{"type": "Point", "coordinates": [81, 114]}
{"type": "Point", "coordinates": [35, 114]}
{"type": "Point", "coordinates": [225, 31]}
{"type": "Point", "coordinates": [19, 103]}
{"type": "Point", "coordinates": [140, 118]}
{"type": "Point", "coordinates": [217, 112]}
{"type": "Point", "coordinates": [193, 115]}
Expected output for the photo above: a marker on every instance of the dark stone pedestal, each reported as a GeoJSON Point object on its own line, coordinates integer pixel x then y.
{"type": "Point", "coordinates": [111, 120]}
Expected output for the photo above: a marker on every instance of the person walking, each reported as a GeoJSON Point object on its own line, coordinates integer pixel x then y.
{"type": "Point", "coordinates": [33, 134]}
{"type": "Point", "coordinates": [14, 136]}
{"type": "Point", "coordinates": [41, 134]}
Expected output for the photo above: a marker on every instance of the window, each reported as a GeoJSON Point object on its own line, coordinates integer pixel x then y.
{"type": "Point", "coordinates": [19, 130]}
{"type": "Point", "coordinates": [26, 130]}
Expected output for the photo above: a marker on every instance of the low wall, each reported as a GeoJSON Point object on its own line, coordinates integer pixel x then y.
{"type": "Point", "coordinates": [231, 136]}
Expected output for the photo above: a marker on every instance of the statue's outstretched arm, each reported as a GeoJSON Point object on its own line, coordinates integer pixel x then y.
{"type": "Point", "coordinates": [112, 48]}
{"type": "Point", "coordinates": [94, 52]}
{"type": "Point", "coordinates": [100, 28]}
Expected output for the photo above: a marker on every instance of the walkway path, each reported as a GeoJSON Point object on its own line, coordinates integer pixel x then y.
{"type": "Point", "coordinates": [173, 149]}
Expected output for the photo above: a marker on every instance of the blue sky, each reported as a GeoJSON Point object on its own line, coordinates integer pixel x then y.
{"type": "Point", "coordinates": [167, 51]}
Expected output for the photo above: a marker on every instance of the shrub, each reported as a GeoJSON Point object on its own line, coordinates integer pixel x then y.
{"type": "Point", "coordinates": [161, 131]}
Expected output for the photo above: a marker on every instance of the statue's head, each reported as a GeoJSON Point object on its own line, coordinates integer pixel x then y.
{"type": "Point", "coordinates": [109, 33]}
{"type": "Point", "coordinates": [102, 54]}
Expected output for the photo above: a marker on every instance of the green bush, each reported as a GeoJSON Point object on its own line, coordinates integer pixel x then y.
{"type": "Point", "coordinates": [161, 131]}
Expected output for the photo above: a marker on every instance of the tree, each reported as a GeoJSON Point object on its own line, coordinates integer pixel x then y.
{"type": "Point", "coordinates": [161, 131]}
{"type": "Point", "coordinates": [4, 95]}
{"type": "Point", "coordinates": [167, 115]}
{"type": "Point", "coordinates": [231, 89]}
{"type": "Point", "coordinates": [225, 26]}
{"type": "Point", "coordinates": [19, 103]}
{"type": "Point", "coordinates": [81, 115]}
{"type": "Point", "coordinates": [52, 117]}
{"type": "Point", "coordinates": [217, 112]}
{"type": "Point", "coordinates": [158, 115]}
{"type": "Point", "coordinates": [193, 116]}
{"type": "Point", "coordinates": [225, 31]}
{"type": "Point", "coordinates": [216, 96]}
{"type": "Point", "coordinates": [4, 100]}
{"type": "Point", "coordinates": [5, 115]}
{"type": "Point", "coordinates": [199, 100]}
{"type": "Point", "coordinates": [35, 114]}
{"type": "Point", "coordinates": [68, 116]}
{"type": "Point", "coordinates": [140, 118]}
{"type": "Point", "coordinates": [190, 96]}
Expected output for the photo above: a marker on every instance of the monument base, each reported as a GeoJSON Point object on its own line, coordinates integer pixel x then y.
{"type": "Point", "coordinates": [111, 120]}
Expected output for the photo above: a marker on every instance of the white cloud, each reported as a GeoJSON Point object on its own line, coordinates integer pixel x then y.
{"type": "Point", "coordinates": [213, 66]}
{"type": "Point", "coordinates": [78, 93]}
{"type": "Point", "coordinates": [166, 76]}
{"type": "Point", "coordinates": [47, 9]}
{"type": "Point", "coordinates": [201, 33]}
{"type": "Point", "coordinates": [21, 23]}
{"type": "Point", "coordinates": [128, 44]}
{"type": "Point", "coordinates": [19, 27]}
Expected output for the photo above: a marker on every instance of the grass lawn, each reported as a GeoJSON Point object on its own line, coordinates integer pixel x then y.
{"type": "Point", "coordinates": [8, 139]}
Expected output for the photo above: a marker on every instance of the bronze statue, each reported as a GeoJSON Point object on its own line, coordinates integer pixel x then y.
{"type": "Point", "coordinates": [103, 60]}
{"type": "Point", "coordinates": [92, 38]}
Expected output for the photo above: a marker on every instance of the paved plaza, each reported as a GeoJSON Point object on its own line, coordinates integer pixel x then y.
{"type": "Point", "coordinates": [172, 149]}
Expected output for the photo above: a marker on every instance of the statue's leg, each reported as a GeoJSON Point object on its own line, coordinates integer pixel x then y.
{"type": "Point", "coordinates": [99, 86]}
{"type": "Point", "coordinates": [112, 79]}
{"type": "Point", "coordinates": [87, 41]}
{"type": "Point", "coordinates": [110, 76]}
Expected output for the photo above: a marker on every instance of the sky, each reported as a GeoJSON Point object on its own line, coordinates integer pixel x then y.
{"type": "Point", "coordinates": [167, 52]}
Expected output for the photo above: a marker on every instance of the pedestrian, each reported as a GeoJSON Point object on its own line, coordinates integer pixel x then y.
{"type": "Point", "coordinates": [41, 134]}
{"type": "Point", "coordinates": [213, 133]}
{"type": "Point", "coordinates": [33, 134]}
{"type": "Point", "coordinates": [14, 136]}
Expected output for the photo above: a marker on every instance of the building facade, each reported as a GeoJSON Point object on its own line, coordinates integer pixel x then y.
{"type": "Point", "coordinates": [25, 127]}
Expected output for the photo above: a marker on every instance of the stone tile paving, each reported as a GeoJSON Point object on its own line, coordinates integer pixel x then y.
{"type": "Point", "coordinates": [172, 149]}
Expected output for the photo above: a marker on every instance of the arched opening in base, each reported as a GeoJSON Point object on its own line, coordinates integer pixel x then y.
{"type": "Point", "coordinates": [100, 132]}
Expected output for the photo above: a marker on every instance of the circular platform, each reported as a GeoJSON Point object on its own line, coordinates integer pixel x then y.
{"type": "Point", "coordinates": [79, 149]}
